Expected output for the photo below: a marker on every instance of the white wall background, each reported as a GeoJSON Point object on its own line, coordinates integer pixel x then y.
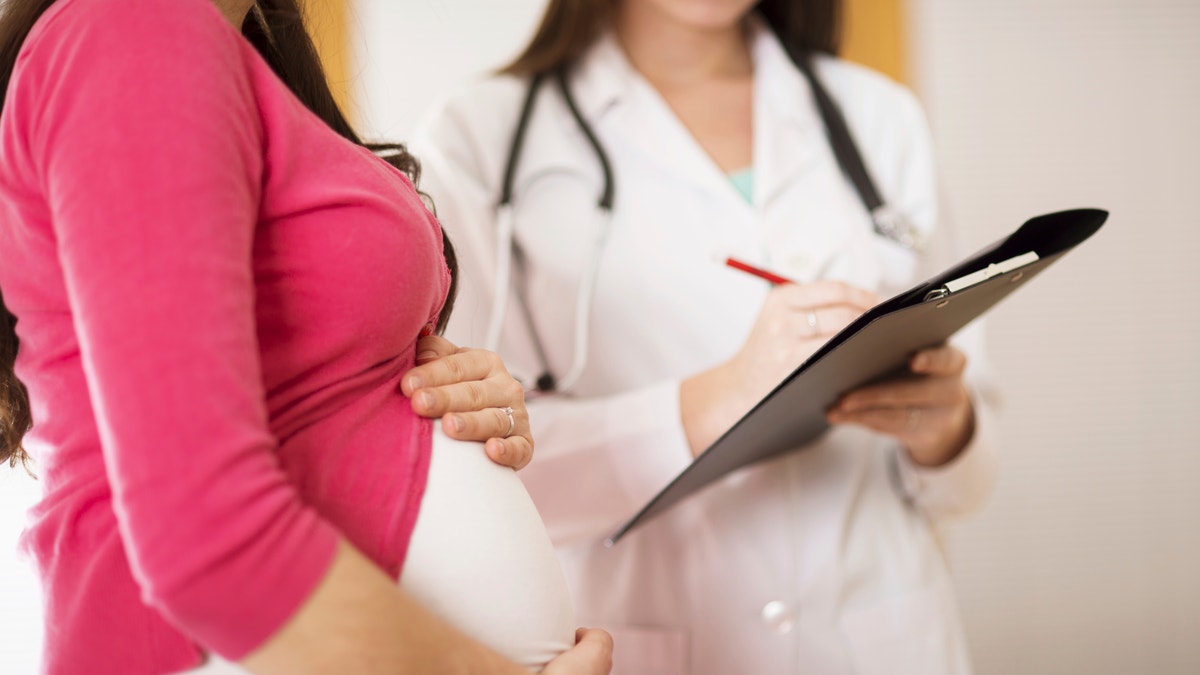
{"type": "Point", "coordinates": [20, 609]}
{"type": "Point", "coordinates": [1086, 559]}
{"type": "Point", "coordinates": [412, 51]}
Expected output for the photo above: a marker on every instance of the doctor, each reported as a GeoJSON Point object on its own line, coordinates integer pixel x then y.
{"type": "Point", "coordinates": [630, 146]}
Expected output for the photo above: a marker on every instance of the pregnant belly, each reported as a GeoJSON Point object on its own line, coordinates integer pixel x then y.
{"type": "Point", "coordinates": [481, 559]}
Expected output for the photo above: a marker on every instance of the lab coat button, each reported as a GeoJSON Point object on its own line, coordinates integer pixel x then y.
{"type": "Point", "coordinates": [778, 617]}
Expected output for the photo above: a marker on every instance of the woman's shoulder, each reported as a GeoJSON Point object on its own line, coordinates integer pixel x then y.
{"type": "Point", "coordinates": [127, 26]}
{"type": "Point", "coordinates": [85, 61]}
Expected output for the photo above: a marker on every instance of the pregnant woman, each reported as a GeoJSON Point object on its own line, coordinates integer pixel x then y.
{"type": "Point", "coordinates": [219, 296]}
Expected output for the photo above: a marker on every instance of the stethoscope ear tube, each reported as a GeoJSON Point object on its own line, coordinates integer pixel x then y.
{"type": "Point", "coordinates": [504, 259]}
{"type": "Point", "coordinates": [583, 305]}
{"type": "Point", "coordinates": [518, 140]}
{"type": "Point", "coordinates": [506, 244]}
{"type": "Point", "coordinates": [506, 252]}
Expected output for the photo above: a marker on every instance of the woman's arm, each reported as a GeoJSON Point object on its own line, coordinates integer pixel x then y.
{"type": "Point", "coordinates": [143, 128]}
{"type": "Point", "coordinates": [141, 123]}
{"type": "Point", "coordinates": [359, 621]}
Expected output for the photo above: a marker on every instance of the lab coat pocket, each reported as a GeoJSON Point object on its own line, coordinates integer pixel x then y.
{"type": "Point", "coordinates": [648, 651]}
{"type": "Point", "coordinates": [909, 633]}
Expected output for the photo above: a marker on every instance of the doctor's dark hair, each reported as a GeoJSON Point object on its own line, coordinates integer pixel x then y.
{"type": "Point", "coordinates": [276, 30]}
{"type": "Point", "coordinates": [569, 27]}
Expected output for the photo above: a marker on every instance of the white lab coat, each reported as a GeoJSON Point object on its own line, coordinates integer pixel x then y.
{"type": "Point", "coordinates": [823, 561]}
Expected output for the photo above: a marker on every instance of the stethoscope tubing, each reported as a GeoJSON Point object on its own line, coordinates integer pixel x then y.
{"type": "Point", "coordinates": [506, 243]}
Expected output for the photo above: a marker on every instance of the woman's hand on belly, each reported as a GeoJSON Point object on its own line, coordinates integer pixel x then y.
{"type": "Point", "coordinates": [591, 655]}
{"type": "Point", "coordinates": [469, 389]}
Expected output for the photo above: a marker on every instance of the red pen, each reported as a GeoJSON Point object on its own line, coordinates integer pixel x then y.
{"type": "Point", "coordinates": [757, 271]}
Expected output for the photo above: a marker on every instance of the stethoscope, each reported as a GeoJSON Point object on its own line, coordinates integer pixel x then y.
{"type": "Point", "coordinates": [887, 222]}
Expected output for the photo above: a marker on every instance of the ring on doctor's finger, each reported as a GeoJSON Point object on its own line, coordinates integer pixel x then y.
{"type": "Point", "coordinates": [813, 324]}
{"type": "Point", "coordinates": [914, 418]}
{"type": "Point", "coordinates": [512, 421]}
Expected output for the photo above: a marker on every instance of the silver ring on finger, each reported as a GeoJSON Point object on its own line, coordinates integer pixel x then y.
{"type": "Point", "coordinates": [914, 418]}
{"type": "Point", "coordinates": [512, 421]}
{"type": "Point", "coordinates": [813, 324]}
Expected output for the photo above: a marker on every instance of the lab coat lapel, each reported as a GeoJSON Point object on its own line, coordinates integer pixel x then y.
{"type": "Point", "coordinates": [602, 79]}
{"type": "Point", "coordinates": [636, 116]}
{"type": "Point", "coordinates": [788, 135]}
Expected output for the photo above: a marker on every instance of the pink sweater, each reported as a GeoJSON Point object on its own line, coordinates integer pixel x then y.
{"type": "Point", "coordinates": [216, 297]}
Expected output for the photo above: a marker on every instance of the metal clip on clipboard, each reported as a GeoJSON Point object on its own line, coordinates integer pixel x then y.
{"type": "Point", "coordinates": [991, 271]}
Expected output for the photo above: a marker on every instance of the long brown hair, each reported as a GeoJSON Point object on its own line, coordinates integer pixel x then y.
{"type": "Point", "coordinates": [276, 29]}
{"type": "Point", "coordinates": [569, 27]}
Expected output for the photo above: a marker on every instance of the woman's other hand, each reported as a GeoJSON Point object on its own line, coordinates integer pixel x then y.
{"type": "Point", "coordinates": [795, 320]}
{"type": "Point", "coordinates": [469, 389]}
{"type": "Point", "coordinates": [591, 655]}
{"type": "Point", "coordinates": [927, 409]}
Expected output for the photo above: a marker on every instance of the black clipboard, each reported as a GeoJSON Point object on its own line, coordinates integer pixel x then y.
{"type": "Point", "coordinates": [875, 345]}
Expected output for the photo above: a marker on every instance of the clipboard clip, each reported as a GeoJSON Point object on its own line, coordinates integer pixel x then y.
{"type": "Point", "coordinates": [991, 271]}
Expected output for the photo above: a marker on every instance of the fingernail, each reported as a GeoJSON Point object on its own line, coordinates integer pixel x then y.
{"type": "Point", "coordinates": [426, 356]}
{"type": "Point", "coordinates": [920, 363]}
{"type": "Point", "coordinates": [502, 452]}
{"type": "Point", "coordinates": [425, 399]}
{"type": "Point", "coordinates": [414, 383]}
{"type": "Point", "coordinates": [458, 423]}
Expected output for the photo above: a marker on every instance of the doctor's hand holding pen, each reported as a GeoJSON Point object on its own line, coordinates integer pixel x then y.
{"type": "Point", "coordinates": [927, 408]}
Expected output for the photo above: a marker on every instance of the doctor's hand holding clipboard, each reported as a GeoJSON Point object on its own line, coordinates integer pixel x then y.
{"type": "Point", "coordinates": [587, 187]}
{"type": "Point", "coordinates": [927, 409]}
